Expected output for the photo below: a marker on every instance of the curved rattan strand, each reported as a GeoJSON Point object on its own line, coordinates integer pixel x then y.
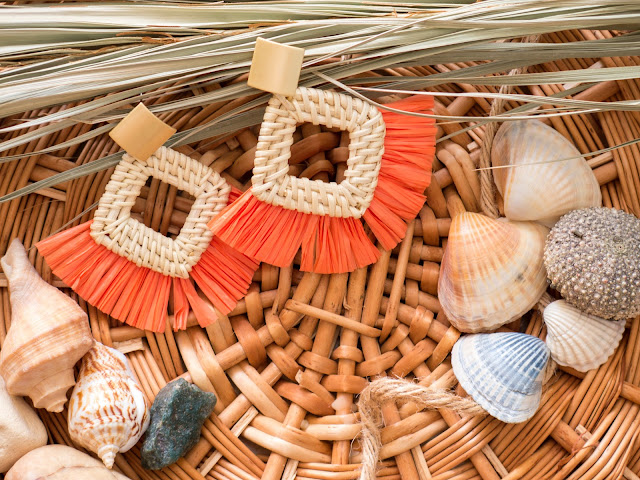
{"type": "Point", "coordinates": [587, 426]}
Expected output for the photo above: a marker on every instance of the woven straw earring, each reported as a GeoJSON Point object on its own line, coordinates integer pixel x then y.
{"type": "Point", "coordinates": [125, 268]}
{"type": "Point", "coordinates": [388, 169]}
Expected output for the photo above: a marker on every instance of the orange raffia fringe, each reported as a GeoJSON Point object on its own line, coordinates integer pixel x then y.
{"type": "Point", "coordinates": [274, 234]}
{"type": "Point", "coordinates": [139, 296]}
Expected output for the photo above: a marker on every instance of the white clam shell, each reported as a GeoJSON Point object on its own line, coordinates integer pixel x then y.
{"type": "Point", "coordinates": [503, 372]}
{"type": "Point", "coordinates": [108, 412]}
{"type": "Point", "coordinates": [545, 191]}
{"type": "Point", "coordinates": [492, 271]}
{"type": "Point", "coordinates": [580, 340]}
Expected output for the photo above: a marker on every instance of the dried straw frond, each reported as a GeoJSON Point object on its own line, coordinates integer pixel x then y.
{"type": "Point", "coordinates": [97, 58]}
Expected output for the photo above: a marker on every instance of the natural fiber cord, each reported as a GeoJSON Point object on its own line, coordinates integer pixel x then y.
{"type": "Point", "coordinates": [398, 391]}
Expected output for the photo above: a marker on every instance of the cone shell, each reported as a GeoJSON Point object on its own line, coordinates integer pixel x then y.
{"type": "Point", "coordinates": [546, 191]}
{"type": "Point", "coordinates": [502, 372]}
{"type": "Point", "coordinates": [108, 412]}
{"type": "Point", "coordinates": [492, 271]}
{"type": "Point", "coordinates": [49, 333]}
{"type": "Point", "coordinates": [579, 340]}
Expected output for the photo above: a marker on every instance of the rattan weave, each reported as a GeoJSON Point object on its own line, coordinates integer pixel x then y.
{"type": "Point", "coordinates": [287, 393]}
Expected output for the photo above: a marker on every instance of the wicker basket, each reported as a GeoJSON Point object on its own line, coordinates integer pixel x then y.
{"type": "Point", "coordinates": [587, 425]}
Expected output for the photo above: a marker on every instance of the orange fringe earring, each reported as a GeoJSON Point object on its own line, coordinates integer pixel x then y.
{"type": "Point", "coordinates": [388, 169]}
{"type": "Point", "coordinates": [127, 269]}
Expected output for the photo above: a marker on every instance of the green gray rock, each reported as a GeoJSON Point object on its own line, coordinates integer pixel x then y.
{"type": "Point", "coordinates": [177, 415]}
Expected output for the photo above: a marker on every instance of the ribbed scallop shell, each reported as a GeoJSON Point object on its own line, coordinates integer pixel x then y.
{"type": "Point", "coordinates": [492, 271]}
{"type": "Point", "coordinates": [49, 333]}
{"type": "Point", "coordinates": [579, 340]}
{"type": "Point", "coordinates": [503, 372]}
{"type": "Point", "coordinates": [546, 191]}
{"type": "Point", "coordinates": [108, 412]}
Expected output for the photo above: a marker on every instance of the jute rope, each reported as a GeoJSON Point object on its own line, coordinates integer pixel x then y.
{"type": "Point", "coordinates": [398, 391]}
{"type": "Point", "coordinates": [487, 186]}
{"type": "Point", "coordinates": [386, 390]}
{"type": "Point", "coordinates": [114, 228]}
{"type": "Point", "coordinates": [350, 198]}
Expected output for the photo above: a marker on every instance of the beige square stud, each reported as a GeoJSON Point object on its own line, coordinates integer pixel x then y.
{"type": "Point", "coordinates": [141, 133]}
{"type": "Point", "coordinates": [275, 67]}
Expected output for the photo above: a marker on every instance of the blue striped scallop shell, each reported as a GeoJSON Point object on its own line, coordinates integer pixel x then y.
{"type": "Point", "coordinates": [502, 372]}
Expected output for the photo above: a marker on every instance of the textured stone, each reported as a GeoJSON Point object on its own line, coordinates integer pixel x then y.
{"type": "Point", "coordinates": [592, 257]}
{"type": "Point", "coordinates": [177, 415]}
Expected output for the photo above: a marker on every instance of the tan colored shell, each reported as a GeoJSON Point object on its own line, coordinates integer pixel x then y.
{"type": "Point", "coordinates": [21, 430]}
{"type": "Point", "coordinates": [59, 462]}
{"type": "Point", "coordinates": [108, 411]}
{"type": "Point", "coordinates": [580, 340]}
{"type": "Point", "coordinates": [49, 333]}
{"type": "Point", "coordinates": [492, 271]}
{"type": "Point", "coordinates": [545, 191]}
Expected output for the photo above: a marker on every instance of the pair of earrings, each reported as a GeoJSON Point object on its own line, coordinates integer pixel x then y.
{"type": "Point", "coordinates": [128, 270]}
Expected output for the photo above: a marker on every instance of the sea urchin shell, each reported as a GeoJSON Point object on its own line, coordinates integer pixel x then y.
{"type": "Point", "coordinates": [592, 258]}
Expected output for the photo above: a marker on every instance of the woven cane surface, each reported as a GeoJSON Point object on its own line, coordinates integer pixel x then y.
{"type": "Point", "coordinates": [286, 398]}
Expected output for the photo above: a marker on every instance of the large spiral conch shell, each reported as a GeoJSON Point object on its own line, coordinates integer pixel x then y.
{"type": "Point", "coordinates": [492, 271]}
{"type": "Point", "coordinates": [503, 372]}
{"type": "Point", "coordinates": [49, 333]}
{"type": "Point", "coordinates": [544, 191]}
{"type": "Point", "coordinates": [580, 340]}
{"type": "Point", "coordinates": [108, 412]}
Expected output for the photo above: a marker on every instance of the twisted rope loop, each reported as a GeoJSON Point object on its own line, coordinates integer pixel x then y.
{"type": "Point", "coordinates": [114, 228]}
{"type": "Point", "coordinates": [273, 185]}
{"type": "Point", "coordinates": [385, 390]}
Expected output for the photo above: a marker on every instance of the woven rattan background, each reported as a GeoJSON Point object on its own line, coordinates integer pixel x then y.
{"type": "Point", "coordinates": [587, 426]}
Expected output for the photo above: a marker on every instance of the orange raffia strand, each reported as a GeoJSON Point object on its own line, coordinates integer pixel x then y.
{"type": "Point", "coordinates": [330, 244]}
{"type": "Point", "coordinates": [139, 296]}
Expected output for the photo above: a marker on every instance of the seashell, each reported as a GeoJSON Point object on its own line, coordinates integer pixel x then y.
{"type": "Point", "coordinates": [545, 191]}
{"type": "Point", "coordinates": [49, 333]}
{"type": "Point", "coordinates": [503, 372]}
{"type": "Point", "coordinates": [592, 259]}
{"type": "Point", "coordinates": [579, 340]}
{"type": "Point", "coordinates": [59, 462]}
{"type": "Point", "coordinates": [21, 430]}
{"type": "Point", "coordinates": [108, 412]}
{"type": "Point", "coordinates": [492, 271]}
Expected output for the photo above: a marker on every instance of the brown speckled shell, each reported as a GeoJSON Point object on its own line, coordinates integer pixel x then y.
{"type": "Point", "coordinates": [108, 411]}
{"type": "Point", "coordinates": [492, 271]}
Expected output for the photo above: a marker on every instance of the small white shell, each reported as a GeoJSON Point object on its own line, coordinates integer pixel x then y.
{"type": "Point", "coordinates": [108, 412]}
{"type": "Point", "coordinates": [503, 372]}
{"type": "Point", "coordinates": [579, 340]}
{"type": "Point", "coordinates": [545, 191]}
{"type": "Point", "coordinates": [492, 271]}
